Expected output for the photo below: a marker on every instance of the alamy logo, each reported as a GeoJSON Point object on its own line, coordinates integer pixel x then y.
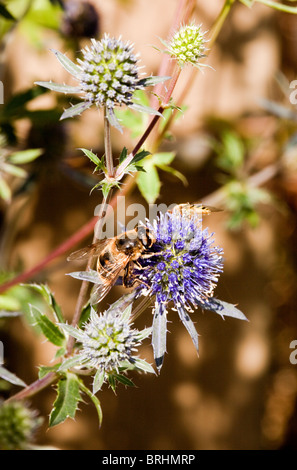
{"type": "Point", "coordinates": [293, 355]}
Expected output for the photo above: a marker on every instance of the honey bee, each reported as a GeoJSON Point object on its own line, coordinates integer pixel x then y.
{"type": "Point", "coordinates": [115, 255]}
{"type": "Point", "coordinates": [189, 210]}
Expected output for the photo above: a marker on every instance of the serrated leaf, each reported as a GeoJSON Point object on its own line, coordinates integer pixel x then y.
{"type": "Point", "coordinates": [92, 156]}
{"type": "Point", "coordinates": [44, 370]}
{"type": "Point", "coordinates": [123, 380]}
{"type": "Point", "coordinates": [98, 380]}
{"type": "Point", "coordinates": [144, 333]}
{"type": "Point", "coordinates": [68, 65]}
{"type": "Point", "coordinates": [49, 298]}
{"type": "Point", "coordinates": [224, 309]}
{"type": "Point", "coordinates": [89, 276]}
{"type": "Point", "coordinates": [69, 363]}
{"type": "Point", "coordinates": [143, 365]}
{"type": "Point", "coordinates": [59, 87]}
{"type": "Point", "coordinates": [25, 156]}
{"type": "Point", "coordinates": [75, 110]}
{"type": "Point", "coordinates": [48, 328]}
{"type": "Point", "coordinates": [159, 334]}
{"type": "Point", "coordinates": [149, 182]}
{"type": "Point", "coordinates": [72, 331]}
{"type": "Point", "coordinates": [11, 378]}
{"type": "Point", "coordinates": [144, 109]}
{"type": "Point", "coordinates": [66, 403]}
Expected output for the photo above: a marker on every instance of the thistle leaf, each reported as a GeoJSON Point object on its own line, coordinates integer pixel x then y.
{"type": "Point", "coordinates": [144, 109]}
{"type": "Point", "coordinates": [48, 328]}
{"type": "Point", "coordinates": [89, 276]}
{"type": "Point", "coordinates": [159, 334]}
{"type": "Point", "coordinates": [75, 110]}
{"type": "Point", "coordinates": [98, 380]}
{"type": "Point", "coordinates": [60, 87]}
{"type": "Point", "coordinates": [143, 365]}
{"type": "Point", "coordinates": [92, 156]}
{"type": "Point", "coordinates": [66, 403]}
{"type": "Point", "coordinates": [68, 65]}
{"type": "Point", "coordinates": [223, 309]}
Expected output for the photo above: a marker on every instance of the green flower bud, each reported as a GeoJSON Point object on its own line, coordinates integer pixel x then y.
{"type": "Point", "coordinates": [18, 424]}
{"type": "Point", "coordinates": [188, 45]}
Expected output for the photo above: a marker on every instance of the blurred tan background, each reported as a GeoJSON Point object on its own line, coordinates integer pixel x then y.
{"type": "Point", "coordinates": [241, 391]}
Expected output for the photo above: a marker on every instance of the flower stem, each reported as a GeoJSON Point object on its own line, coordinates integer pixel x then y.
{"type": "Point", "coordinates": [35, 387]}
{"type": "Point", "coordinates": [220, 21]}
{"type": "Point", "coordinates": [85, 284]}
{"type": "Point", "coordinates": [107, 146]}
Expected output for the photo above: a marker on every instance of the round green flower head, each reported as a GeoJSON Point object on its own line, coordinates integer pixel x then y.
{"type": "Point", "coordinates": [109, 72]}
{"type": "Point", "coordinates": [108, 341]}
{"type": "Point", "coordinates": [188, 45]}
{"type": "Point", "coordinates": [17, 425]}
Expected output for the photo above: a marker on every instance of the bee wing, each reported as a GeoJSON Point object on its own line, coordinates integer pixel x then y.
{"type": "Point", "coordinates": [99, 292]}
{"type": "Point", "coordinates": [107, 279]}
{"type": "Point", "coordinates": [101, 289]}
{"type": "Point", "coordinates": [89, 251]}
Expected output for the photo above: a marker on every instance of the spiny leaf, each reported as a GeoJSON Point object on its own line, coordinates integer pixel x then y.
{"type": "Point", "coordinates": [159, 334]}
{"type": "Point", "coordinates": [44, 370]}
{"type": "Point", "coordinates": [75, 110]}
{"type": "Point", "coordinates": [49, 298]}
{"type": "Point", "coordinates": [66, 403]}
{"type": "Point", "coordinates": [92, 156]}
{"type": "Point", "coordinates": [143, 365]}
{"type": "Point", "coordinates": [98, 380]}
{"type": "Point", "coordinates": [224, 309]}
{"type": "Point", "coordinates": [59, 87]}
{"type": "Point", "coordinates": [48, 328]}
{"type": "Point", "coordinates": [68, 65]}
{"type": "Point", "coordinates": [145, 109]}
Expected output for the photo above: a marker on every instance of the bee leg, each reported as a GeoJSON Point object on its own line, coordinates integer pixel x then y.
{"type": "Point", "coordinates": [129, 279]}
{"type": "Point", "coordinates": [150, 255]}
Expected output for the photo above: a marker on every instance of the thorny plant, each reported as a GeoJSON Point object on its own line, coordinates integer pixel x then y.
{"type": "Point", "coordinates": [171, 262]}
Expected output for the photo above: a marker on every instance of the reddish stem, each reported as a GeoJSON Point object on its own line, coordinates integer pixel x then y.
{"type": "Point", "coordinates": [82, 233]}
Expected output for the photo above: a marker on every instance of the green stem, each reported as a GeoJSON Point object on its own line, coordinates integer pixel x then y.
{"type": "Point", "coordinates": [220, 21]}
